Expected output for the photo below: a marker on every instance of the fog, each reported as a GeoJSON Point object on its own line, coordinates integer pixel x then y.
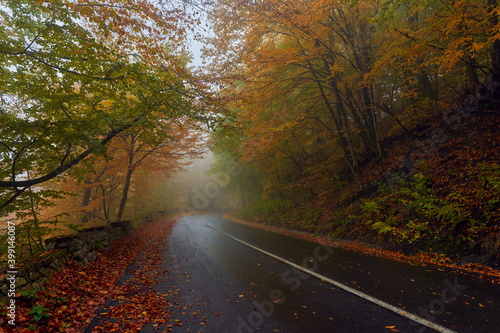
{"type": "Point", "coordinates": [205, 185]}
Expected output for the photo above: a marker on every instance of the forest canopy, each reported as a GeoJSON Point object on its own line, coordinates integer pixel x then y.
{"type": "Point", "coordinates": [77, 74]}
{"type": "Point", "coordinates": [97, 103]}
{"type": "Point", "coordinates": [314, 81]}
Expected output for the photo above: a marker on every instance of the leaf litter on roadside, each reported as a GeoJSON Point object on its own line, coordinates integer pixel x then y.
{"type": "Point", "coordinates": [74, 295]}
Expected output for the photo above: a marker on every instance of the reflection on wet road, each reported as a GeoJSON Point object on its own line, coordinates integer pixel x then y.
{"type": "Point", "coordinates": [228, 283]}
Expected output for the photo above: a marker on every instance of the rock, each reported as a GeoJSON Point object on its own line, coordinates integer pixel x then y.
{"type": "Point", "coordinates": [48, 272]}
{"type": "Point", "coordinates": [56, 264]}
{"type": "Point", "coordinates": [81, 246]}
{"type": "Point", "coordinates": [4, 286]}
{"type": "Point", "coordinates": [20, 282]}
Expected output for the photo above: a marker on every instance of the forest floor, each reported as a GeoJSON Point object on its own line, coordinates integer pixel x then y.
{"type": "Point", "coordinates": [73, 299]}
{"type": "Point", "coordinates": [69, 301]}
{"type": "Point", "coordinates": [449, 205]}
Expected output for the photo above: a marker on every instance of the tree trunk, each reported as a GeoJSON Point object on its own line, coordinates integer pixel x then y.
{"type": "Point", "coordinates": [124, 194]}
{"type": "Point", "coordinates": [243, 202]}
{"type": "Point", "coordinates": [128, 177]}
{"type": "Point", "coordinates": [346, 143]}
{"type": "Point", "coordinates": [495, 50]}
{"type": "Point", "coordinates": [86, 201]}
{"type": "Point", "coordinates": [354, 159]}
{"type": "Point", "coordinates": [495, 56]}
{"type": "Point", "coordinates": [104, 204]}
{"type": "Point", "coordinates": [425, 87]}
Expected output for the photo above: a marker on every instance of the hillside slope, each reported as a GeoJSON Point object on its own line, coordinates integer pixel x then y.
{"type": "Point", "coordinates": [441, 195]}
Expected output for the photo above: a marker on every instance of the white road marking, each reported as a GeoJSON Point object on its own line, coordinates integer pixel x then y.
{"type": "Point", "coordinates": [372, 299]}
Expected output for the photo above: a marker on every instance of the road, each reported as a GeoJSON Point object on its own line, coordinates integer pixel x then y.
{"type": "Point", "coordinates": [234, 278]}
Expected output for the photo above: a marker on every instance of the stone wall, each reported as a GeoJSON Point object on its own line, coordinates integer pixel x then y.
{"type": "Point", "coordinates": [81, 246]}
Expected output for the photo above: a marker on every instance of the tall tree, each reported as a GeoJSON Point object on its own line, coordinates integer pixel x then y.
{"type": "Point", "coordinates": [325, 49]}
{"type": "Point", "coordinates": [76, 75]}
{"type": "Point", "coordinates": [162, 149]}
{"type": "Point", "coordinates": [311, 83]}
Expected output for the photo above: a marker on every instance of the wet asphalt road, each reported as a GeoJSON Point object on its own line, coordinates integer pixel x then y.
{"type": "Point", "coordinates": [225, 286]}
{"type": "Point", "coordinates": [239, 289]}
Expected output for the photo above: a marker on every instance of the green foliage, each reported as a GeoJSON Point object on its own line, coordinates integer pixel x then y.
{"type": "Point", "coordinates": [73, 77]}
{"type": "Point", "coordinates": [272, 209]}
{"type": "Point", "coordinates": [29, 242]}
{"type": "Point", "coordinates": [30, 294]}
{"type": "Point", "coordinates": [312, 215]}
{"type": "Point", "coordinates": [489, 175]}
{"type": "Point", "coordinates": [424, 214]}
{"type": "Point", "coordinates": [413, 231]}
{"type": "Point", "coordinates": [75, 227]}
{"type": "Point", "coordinates": [39, 312]}
{"type": "Point", "coordinates": [58, 299]}
{"type": "Point", "coordinates": [425, 203]}
{"type": "Point", "coordinates": [370, 206]}
{"type": "Point", "coordinates": [31, 231]}
{"type": "Point", "coordinates": [382, 227]}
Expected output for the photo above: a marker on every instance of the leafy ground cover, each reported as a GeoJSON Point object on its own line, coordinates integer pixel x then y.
{"type": "Point", "coordinates": [72, 297]}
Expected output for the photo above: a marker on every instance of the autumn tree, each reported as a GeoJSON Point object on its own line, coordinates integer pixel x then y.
{"type": "Point", "coordinates": [161, 151]}
{"type": "Point", "coordinates": [440, 47]}
{"type": "Point", "coordinates": [305, 62]}
{"type": "Point", "coordinates": [64, 63]}
{"type": "Point", "coordinates": [315, 86]}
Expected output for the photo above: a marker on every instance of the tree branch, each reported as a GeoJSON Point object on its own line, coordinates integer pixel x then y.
{"type": "Point", "coordinates": [68, 151]}
{"type": "Point", "coordinates": [64, 167]}
{"type": "Point", "coordinates": [416, 40]}
{"type": "Point", "coordinates": [16, 157]}
{"type": "Point", "coordinates": [108, 5]}
{"type": "Point", "coordinates": [32, 55]}
{"type": "Point", "coordinates": [11, 199]}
